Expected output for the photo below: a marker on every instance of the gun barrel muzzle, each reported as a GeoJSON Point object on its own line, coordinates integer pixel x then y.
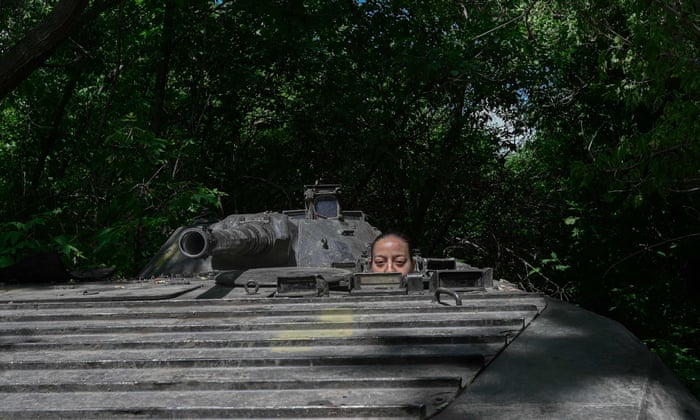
{"type": "Point", "coordinates": [194, 242]}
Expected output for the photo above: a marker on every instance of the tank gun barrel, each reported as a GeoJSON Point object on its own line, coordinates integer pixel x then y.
{"type": "Point", "coordinates": [250, 238]}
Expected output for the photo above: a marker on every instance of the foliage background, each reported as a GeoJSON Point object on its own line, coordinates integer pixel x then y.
{"type": "Point", "coordinates": [556, 141]}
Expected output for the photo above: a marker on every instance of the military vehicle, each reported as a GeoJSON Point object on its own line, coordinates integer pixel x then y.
{"type": "Point", "coordinates": [276, 315]}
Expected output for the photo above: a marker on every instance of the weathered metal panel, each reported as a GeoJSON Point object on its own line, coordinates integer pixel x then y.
{"type": "Point", "coordinates": [391, 356]}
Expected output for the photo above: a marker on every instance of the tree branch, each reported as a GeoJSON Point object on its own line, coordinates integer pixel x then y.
{"type": "Point", "coordinates": [559, 291]}
{"type": "Point", "coordinates": [30, 52]}
{"type": "Point", "coordinates": [648, 248]}
{"type": "Point", "coordinates": [693, 27]}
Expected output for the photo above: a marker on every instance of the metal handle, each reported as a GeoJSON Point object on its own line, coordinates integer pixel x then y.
{"type": "Point", "coordinates": [441, 290]}
{"type": "Point", "coordinates": [249, 284]}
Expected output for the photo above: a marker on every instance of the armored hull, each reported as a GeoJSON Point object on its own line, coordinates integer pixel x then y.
{"type": "Point", "coordinates": [137, 349]}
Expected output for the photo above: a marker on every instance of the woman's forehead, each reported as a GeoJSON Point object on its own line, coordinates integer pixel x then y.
{"type": "Point", "coordinates": [391, 244]}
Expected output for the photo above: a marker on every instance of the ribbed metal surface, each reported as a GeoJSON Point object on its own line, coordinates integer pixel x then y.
{"type": "Point", "coordinates": [371, 356]}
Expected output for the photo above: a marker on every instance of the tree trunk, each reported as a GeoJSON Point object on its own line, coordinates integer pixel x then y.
{"type": "Point", "coordinates": [38, 43]}
{"type": "Point", "coordinates": [443, 164]}
{"type": "Point", "coordinates": [66, 18]}
{"type": "Point", "coordinates": [166, 51]}
{"type": "Point", "coordinates": [48, 144]}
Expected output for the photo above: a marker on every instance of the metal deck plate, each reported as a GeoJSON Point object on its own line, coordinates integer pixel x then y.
{"type": "Point", "coordinates": [106, 291]}
{"type": "Point", "coordinates": [369, 356]}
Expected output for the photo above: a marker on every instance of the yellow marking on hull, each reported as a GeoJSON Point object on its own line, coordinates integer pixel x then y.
{"type": "Point", "coordinates": [328, 317]}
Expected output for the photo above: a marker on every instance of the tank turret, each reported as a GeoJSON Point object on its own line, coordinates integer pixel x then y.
{"type": "Point", "coordinates": [320, 235]}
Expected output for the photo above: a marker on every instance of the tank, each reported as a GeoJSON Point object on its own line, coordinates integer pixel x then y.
{"type": "Point", "coordinates": [291, 251]}
{"type": "Point", "coordinates": [276, 315]}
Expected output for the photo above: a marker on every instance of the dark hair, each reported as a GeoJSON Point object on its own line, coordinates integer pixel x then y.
{"type": "Point", "coordinates": [387, 234]}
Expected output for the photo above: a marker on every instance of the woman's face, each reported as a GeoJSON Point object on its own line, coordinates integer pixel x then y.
{"type": "Point", "coordinates": [391, 254]}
